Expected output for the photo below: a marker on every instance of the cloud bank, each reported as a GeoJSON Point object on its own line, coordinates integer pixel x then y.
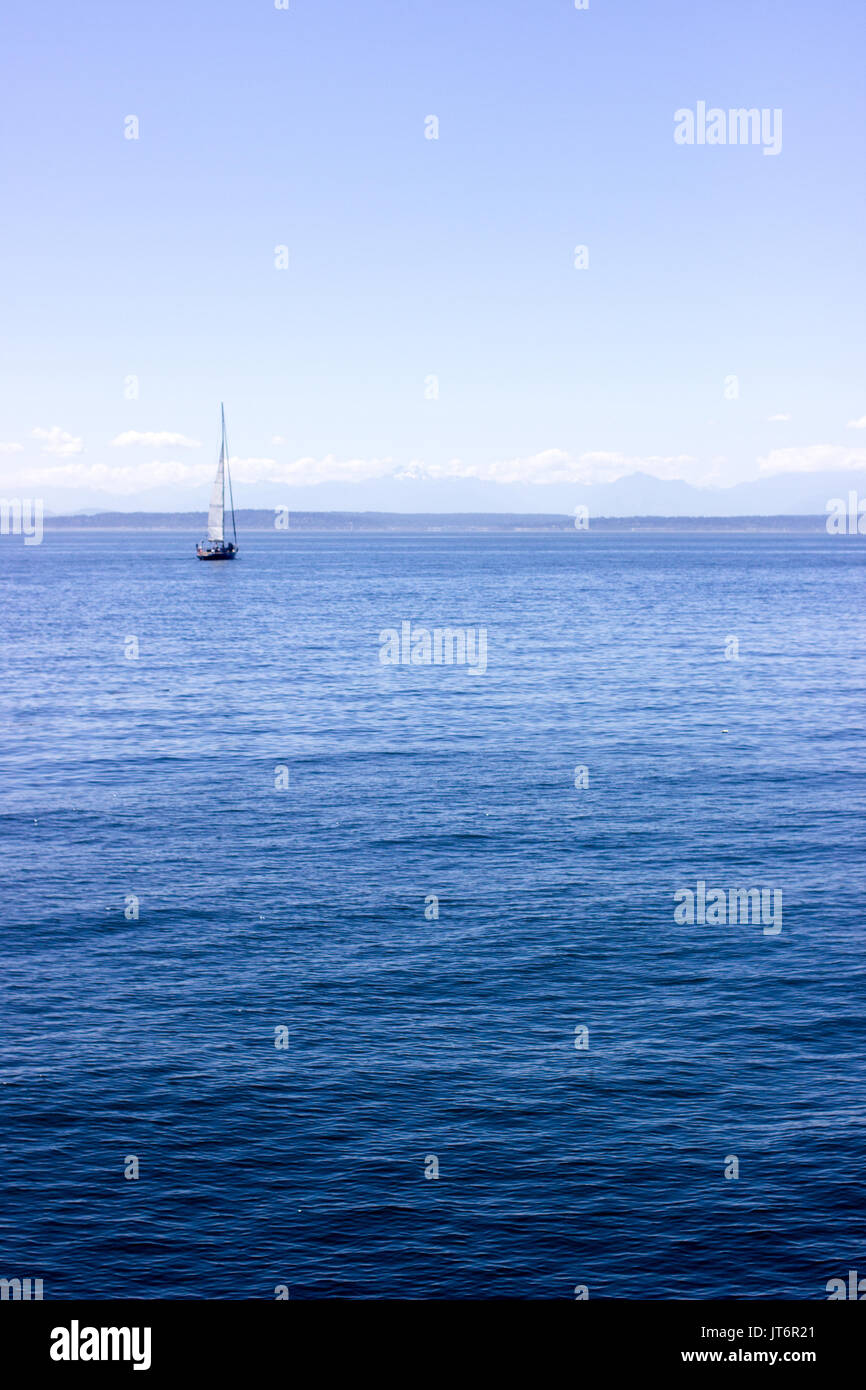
{"type": "Point", "coordinates": [154, 440]}
{"type": "Point", "coordinates": [550, 467]}
{"type": "Point", "coordinates": [58, 441]}
{"type": "Point", "coordinates": [814, 458]}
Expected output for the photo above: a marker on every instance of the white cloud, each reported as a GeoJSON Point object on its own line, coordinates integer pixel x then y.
{"type": "Point", "coordinates": [304, 472]}
{"type": "Point", "coordinates": [155, 440]}
{"type": "Point", "coordinates": [857, 424]}
{"type": "Point", "coordinates": [58, 441]}
{"type": "Point", "coordinates": [773, 418]}
{"type": "Point", "coordinates": [11, 448]}
{"type": "Point", "coordinates": [142, 477]}
{"type": "Point", "coordinates": [123, 479]}
{"type": "Point", "coordinates": [814, 458]}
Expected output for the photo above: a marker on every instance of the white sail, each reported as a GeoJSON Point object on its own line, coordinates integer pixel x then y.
{"type": "Point", "coordinates": [217, 501]}
{"type": "Point", "coordinates": [217, 546]}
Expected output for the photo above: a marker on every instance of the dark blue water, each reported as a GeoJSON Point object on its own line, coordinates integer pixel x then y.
{"type": "Point", "coordinates": [305, 909]}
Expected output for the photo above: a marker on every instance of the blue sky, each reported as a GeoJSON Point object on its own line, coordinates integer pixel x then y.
{"type": "Point", "coordinates": [412, 258]}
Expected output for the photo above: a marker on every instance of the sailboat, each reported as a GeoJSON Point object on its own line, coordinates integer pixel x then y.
{"type": "Point", "coordinates": [216, 547]}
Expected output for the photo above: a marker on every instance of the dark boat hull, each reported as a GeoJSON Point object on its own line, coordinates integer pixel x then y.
{"type": "Point", "coordinates": [225, 553]}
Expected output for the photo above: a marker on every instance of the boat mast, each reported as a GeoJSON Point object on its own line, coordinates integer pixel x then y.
{"type": "Point", "coordinates": [225, 454]}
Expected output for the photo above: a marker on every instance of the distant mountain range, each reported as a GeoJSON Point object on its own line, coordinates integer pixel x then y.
{"type": "Point", "coordinates": [255, 521]}
{"type": "Point", "coordinates": [637, 495]}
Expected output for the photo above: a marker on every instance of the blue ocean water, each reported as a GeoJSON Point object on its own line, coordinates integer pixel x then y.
{"type": "Point", "coordinates": [454, 1037]}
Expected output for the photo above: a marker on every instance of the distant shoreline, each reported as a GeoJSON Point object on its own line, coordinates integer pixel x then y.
{"type": "Point", "coordinates": [398, 523]}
